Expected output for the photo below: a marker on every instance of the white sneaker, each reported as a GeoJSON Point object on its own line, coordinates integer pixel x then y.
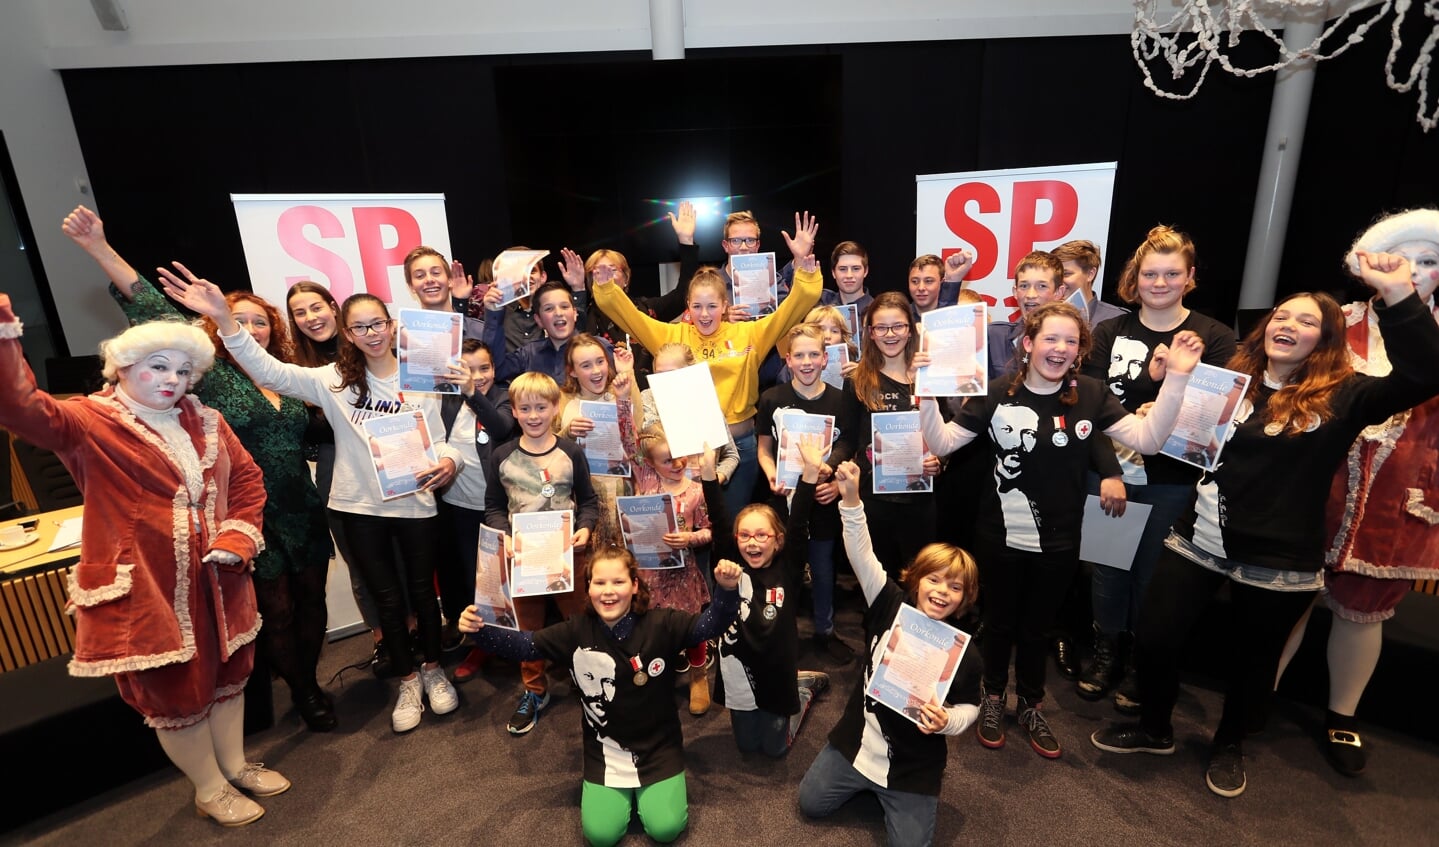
{"type": "Point", "coordinates": [408, 707]}
{"type": "Point", "coordinates": [443, 698]}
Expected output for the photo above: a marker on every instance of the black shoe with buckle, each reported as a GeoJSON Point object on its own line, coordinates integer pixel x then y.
{"type": "Point", "coordinates": [1343, 747]}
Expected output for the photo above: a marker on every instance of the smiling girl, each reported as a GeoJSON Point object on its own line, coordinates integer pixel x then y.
{"type": "Point", "coordinates": [734, 351]}
{"type": "Point", "coordinates": [599, 374]}
{"type": "Point", "coordinates": [874, 748]}
{"type": "Point", "coordinates": [361, 385]}
{"type": "Point", "coordinates": [1129, 353]}
{"type": "Point", "coordinates": [621, 656]}
{"type": "Point", "coordinates": [1258, 520]}
{"type": "Point", "coordinates": [1027, 531]}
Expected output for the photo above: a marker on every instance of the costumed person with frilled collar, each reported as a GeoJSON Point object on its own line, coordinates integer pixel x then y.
{"type": "Point", "coordinates": [162, 595]}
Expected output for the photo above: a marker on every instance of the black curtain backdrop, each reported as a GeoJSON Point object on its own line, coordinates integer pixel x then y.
{"type": "Point", "coordinates": [557, 150]}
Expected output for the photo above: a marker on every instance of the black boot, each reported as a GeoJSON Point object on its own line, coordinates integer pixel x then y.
{"type": "Point", "coordinates": [1066, 655]}
{"type": "Point", "coordinates": [1104, 672]}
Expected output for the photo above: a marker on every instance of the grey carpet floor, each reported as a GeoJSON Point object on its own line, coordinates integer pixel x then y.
{"type": "Point", "coordinates": [461, 779]}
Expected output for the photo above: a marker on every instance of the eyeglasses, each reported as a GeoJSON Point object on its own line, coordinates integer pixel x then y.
{"type": "Point", "coordinates": [743, 241]}
{"type": "Point", "coordinates": [746, 537]}
{"type": "Point", "coordinates": [893, 329]}
{"type": "Point", "coordinates": [365, 329]}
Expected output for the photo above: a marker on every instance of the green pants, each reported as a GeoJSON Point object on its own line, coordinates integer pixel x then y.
{"type": "Point", "coordinates": [605, 812]}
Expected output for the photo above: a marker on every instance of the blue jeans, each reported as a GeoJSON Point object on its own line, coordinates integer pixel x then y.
{"type": "Point", "coordinates": [832, 780]}
{"type": "Point", "coordinates": [739, 491]}
{"type": "Point", "coordinates": [760, 731]}
{"type": "Point", "coordinates": [821, 573]}
{"type": "Point", "coordinates": [1117, 592]}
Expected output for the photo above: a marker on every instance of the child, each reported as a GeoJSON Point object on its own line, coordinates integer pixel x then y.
{"type": "Point", "coordinates": [538, 472]}
{"type": "Point", "coordinates": [767, 696]}
{"type": "Point", "coordinates": [836, 332]}
{"type": "Point", "coordinates": [805, 357]}
{"type": "Point", "coordinates": [598, 373]}
{"type": "Point", "coordinates": [478, 421]}
{"type": "Point", "coordinates": [619, 653]}
{"type": "Point", "coordinates": [1040, 427]}
{"type": "Point", "coordinates": [873, 748]}
{"type": "Point", "coordinates": [678, 588]}
{"type": "Point", "coordinates": [672, 357]}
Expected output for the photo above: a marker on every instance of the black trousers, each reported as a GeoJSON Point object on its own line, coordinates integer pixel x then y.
{"type": "Point", "coordinates": [374, 541]}
{"type": "Point", "coordinates": [1020, 593]}
{"type": "Point", "coordinates": [1176, 599]}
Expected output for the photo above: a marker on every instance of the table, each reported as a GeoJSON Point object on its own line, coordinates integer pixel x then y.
{"type": "Point", "coordinates": [33, 594]}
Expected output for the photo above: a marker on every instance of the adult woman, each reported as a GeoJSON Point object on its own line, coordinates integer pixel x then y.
{"type": "Point", "coordinates": [162, 595]}
{"type": "Point", "coordinates": [1258, 521]}
{"type": "Point", "coordinates": [1129, 353]}
{"type": "Point", "coordinates": [734, 351]}
{"type": "Point", "coordinates": [900, 524]}
{"type": "Point", "coordinates": [362, 385]}
{"type": "Point", "coordinates": [1380, 524]}
{"type": "Point", "coordinates": [1028, 528]}
{"type": "Point", "coordinates": [290, 572]}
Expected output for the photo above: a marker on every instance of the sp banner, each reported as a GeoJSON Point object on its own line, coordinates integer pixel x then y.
{"type": "Point", "coordinates": [1002, 215]}
{"type": "Point", "coordinates": [349, 243]}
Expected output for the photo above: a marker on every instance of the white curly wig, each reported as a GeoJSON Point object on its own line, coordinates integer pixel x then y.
{"type": "Point", "coordinates": [137, 342]}
{"type": "Point", "coordinates": [1390, 232]}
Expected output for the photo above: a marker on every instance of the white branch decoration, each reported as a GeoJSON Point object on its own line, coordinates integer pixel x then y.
{"type": "Point", "coordinates": [1201, 31]}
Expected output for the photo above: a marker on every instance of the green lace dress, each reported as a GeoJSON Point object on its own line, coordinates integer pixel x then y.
{"type": "Point", "coordinates": [296, 534]}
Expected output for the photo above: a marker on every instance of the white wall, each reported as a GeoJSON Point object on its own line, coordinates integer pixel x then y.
{"type": "Point", "coordinates": [209, 31]}
{"type": "Point", "coordinates": [35, 117]}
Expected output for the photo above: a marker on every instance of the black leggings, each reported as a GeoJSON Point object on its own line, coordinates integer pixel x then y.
{"type": "Point", "coordinates": [1020, 593]}
{"type": "Point", "coordinates": [1178, 595]}
{"type": "Point", "coordinates": [374, 541]}
{"type": "Point", "coordinates": [295, 617]}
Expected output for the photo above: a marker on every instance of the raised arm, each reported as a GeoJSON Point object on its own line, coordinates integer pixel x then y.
{"type": "Point", "coordinates": [85, 228]}
{"type": "Point", "coordinates": [809, 282]}
{"type": "Point", "coordinates": [25, 410]}
{"type": "Point", "coordinates": [1147, 434]}
{"type": "Point", "coordinates": [857, 546]}
{"type": "Point", "coordinates": [613, 301]}
{"type": "Point", "coordinates": [941, 438]}
{"type": "Point", "coordinates": [205, 298]}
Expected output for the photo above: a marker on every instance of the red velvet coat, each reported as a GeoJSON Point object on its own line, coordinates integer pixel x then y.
{"type": "Point", "coordinates": [1383, 512]}
{"type": "Point", "coordinates": [143, 538]}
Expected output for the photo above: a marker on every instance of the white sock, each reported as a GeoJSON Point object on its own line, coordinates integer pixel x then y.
{"type": "Point", "coordinates": [227, 734]}
{"type": "Point", "coordinates": [1353, 654]}
{"type": "Point", "coordinates": [193, 753]}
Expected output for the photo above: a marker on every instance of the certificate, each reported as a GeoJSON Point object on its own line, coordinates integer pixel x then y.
{"type": "Point", "coordinates": [400, 450]}
{"type": "Point", "coordinates": [644, 521]}
{"type": "Point", "coordinates": [851, 315]}
{"type": "Point", "coordinates": [898, 452]}
{"type": "Point", "coordinates": [689, 409]}
{"type": "Point", "coordinates": [512, 272]}
{"type": "Point", "coordinates": [790, 426]}
{"type": "Point", "coordinates": [753, 283]}
{"type": "Point", "coordinates": [429, 342]}
{"type": "Point", "coordinates": [492, 581]}
{"type": "Point", "coordinates": [954, 337]}
{"type": "Point", "coordinates": [1112, 541]}
{"type": "Point", "coordinates": [604, 446]}
{"type": "Point", "coordinates": [920, 658]}
{"type": "Point", "coordinates": [837, 356]}
{"type": "Point", "coordinates": [1206, 416]}
{"type": "Point", "coordinates": [544, 561]}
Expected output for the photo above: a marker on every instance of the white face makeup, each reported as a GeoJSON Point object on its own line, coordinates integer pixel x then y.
{"type": "Point", "coordinates": [1423, 259]}
{"type": "Point", "coordinates": [159, 380]}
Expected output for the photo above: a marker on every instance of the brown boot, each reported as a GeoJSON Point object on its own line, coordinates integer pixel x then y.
{"type": "Point", "coordinates": [699, 691]}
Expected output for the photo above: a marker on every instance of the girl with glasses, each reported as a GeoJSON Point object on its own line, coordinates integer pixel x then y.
{"type": "Point", "coordinates": [884, 382]}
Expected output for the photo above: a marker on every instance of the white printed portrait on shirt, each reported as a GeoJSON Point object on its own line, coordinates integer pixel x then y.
{"type": "Point", "coordinates": [1015, 430]}
{"type": "Point", "coordinates": [1126, 363]}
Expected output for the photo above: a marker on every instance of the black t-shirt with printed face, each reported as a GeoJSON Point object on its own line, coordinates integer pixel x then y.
{"type": "Point", "coordinates": [632, 735]}
{"type": "Point", "coordinates": [1123, 349]}
{"type": "Point", "coordinates": [916, 761]}
{"type": "Point", "coordinates": [1041, 451]}
{"type": "Point", "coordinates": [824, 520]}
